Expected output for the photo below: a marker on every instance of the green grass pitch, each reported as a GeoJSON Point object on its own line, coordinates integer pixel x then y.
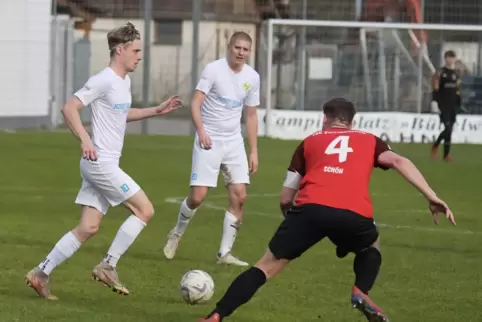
{"type": "Point", "coordinates": [429, 273]}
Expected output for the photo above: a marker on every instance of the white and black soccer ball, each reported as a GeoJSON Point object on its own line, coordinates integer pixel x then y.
{"type": "Point", "coordinates": [196, 287]}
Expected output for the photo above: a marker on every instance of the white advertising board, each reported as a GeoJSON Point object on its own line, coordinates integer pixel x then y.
{"type": "Point", "coordinates": [390, 126]}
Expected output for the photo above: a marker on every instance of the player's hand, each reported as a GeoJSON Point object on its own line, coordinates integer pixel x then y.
{"type": "Point", "coordinates": [438, 206]}
{"type": "Point", "coordinates": [88, 150]}
{"type": "Point", "coordinates": [169, 105]}
{"type": "Point", "coordinates": [253, 162]}
{"type": "Point", "coordinates": [434, 107]}
{"type": "Point", "coordinates": [204, 140]}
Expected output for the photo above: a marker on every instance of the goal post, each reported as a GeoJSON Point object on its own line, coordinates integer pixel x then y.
{"type": "Point", "coordinates": [381, 66]}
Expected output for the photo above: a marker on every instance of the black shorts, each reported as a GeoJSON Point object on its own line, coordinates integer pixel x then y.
{"type": "Point", "coordinates": [308, 224]}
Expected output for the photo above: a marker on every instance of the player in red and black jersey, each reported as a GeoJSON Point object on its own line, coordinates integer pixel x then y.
{"type": "Point", "coordinates": [329, 176]}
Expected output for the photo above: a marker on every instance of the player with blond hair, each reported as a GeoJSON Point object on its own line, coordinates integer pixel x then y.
{"type": "Point", "coordinates": [104, 183]}
{"type": "Point", "coordinates": [227, 86]}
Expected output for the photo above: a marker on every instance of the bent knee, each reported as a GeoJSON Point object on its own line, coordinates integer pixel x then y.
{"type": "Point", "coordinates": [270, 265]}
{"type": "Point", "coordinates": [85, 231]}
{"type": "Point", "coordinates": [145, 212]}
{"type": "Point", "coordinates": [238, 197]}
{"type": "Point", "coordinates": [196, 197]}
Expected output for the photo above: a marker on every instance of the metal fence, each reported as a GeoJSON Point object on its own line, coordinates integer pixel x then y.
{"type": "Point", "coordinates": [383, 70]}
{"type": "Point", "coordinates": [172, 60]}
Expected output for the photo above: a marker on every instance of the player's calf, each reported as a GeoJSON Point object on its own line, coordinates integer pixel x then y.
{"type": "Point", "coordinates": [187, 211]}
{"type": "Point", "coordinates": [232, 222]}
{"type": "Point", "coordinates": [245, 286]}
{"type": "Point", "coordinates": [142, 212]}
{"type": "Point", "coordinates": [366, 267]}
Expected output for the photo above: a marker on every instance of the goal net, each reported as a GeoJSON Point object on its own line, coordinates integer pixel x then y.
{"type": "Point", "coordinates": [382, 67]}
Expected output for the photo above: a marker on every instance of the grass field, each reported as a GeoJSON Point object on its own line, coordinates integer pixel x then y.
{"type": "Point", "coordinates": [429, 273]}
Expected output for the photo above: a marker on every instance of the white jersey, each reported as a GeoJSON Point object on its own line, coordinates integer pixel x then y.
{"type": "Point", "coordinates": [227, 92]}
{"type": "Point", "coordinates": [109, 96]}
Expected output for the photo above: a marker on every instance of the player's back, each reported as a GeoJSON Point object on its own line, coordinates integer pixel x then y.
{"type": "Point", "coordinates": [338, 166]}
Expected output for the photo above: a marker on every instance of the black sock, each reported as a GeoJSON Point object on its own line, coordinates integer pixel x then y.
{"type": "Point", "coordinates": [446, 149]}
{"type": "Point", "coordinates": [240, 292]}
{"type": "Point", "coordinates": [439, 139]}
{"type": "Point", "coordinates": [366, 266]}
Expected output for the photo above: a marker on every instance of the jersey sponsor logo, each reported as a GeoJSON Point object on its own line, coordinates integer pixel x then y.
{"type": "Point", "coordinates": [246, 86]}
{"type": "Point", "coordinates": [233, 103]}
{"type": "Point", "coordinates": [122, 106]}
{"type": "Point", "coordinates": [125, 187]}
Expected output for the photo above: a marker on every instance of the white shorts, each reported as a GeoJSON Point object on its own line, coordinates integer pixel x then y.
{"type": "Point", "coordinates": [227, 156]}
{"type": "Point", "coordinates": [104, 184]}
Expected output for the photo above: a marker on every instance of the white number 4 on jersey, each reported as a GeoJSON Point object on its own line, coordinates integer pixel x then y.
{"type": "Point", "coordinates": [339, 146]}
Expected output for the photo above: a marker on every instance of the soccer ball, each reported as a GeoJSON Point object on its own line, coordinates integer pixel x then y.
{"type": "Point", "coordinates": [196, 287]}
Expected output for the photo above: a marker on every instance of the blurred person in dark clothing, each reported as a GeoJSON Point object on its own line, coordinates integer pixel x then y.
{"type": "Point", "coordinates": [446, 101]}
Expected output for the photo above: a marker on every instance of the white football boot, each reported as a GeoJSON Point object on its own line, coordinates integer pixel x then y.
{"type": "Point", "coordinates": [229, 259]}
{"type": "Point", "coordinates": [171, 244]}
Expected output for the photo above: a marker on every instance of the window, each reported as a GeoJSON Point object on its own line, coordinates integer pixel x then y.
{"type": "Point", "coordinates": [168, 32]}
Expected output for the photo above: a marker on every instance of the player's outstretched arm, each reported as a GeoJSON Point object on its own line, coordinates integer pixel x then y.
{"type": "Point", "coordinates": [409, 171]}
{"type": "Point", "coordinates": [169, 105]}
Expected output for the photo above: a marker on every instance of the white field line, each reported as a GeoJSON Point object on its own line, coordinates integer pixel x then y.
{"type": "Point", "coordinates": [214, 206]}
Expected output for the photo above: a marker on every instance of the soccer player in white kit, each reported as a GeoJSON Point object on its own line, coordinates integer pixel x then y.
{"type": "Point", "coordinates": [226, 87]}
{"type": "Point", "coordinates": [104, 184]}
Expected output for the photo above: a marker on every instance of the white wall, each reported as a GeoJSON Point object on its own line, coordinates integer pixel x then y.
{"type": "Point", "coordinates": [170, 65]}
{"type": "Point", "coordinates": [25, 56]}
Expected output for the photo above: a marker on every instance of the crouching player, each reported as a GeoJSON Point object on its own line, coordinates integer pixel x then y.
{"type": "Point", "coordinates": [330, 173]}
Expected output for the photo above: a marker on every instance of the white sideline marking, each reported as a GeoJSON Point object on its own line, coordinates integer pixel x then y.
{"type": "Point", "coordinates": [179, 200]}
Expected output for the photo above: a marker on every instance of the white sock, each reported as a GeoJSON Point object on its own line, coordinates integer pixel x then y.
{"type": "Point", "coordinates": [63, 250]}
{"type": "Point", "coordinates": [230, 228]}
{"type": "Point", "coordinates": [127, 233]}
{"type": "Point", "coordinates": [183, 218]}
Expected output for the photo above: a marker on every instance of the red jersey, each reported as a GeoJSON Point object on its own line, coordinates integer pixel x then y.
{"type": "Point", "coordinates": [336, 166]}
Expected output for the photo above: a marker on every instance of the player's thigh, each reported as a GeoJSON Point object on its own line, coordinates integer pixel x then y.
{"type": "Point", "coordinates": [352, 232]}
{"type": "Point", "coordinates": [110, 181]}
{"type": "Point", "coordinates": [447, 119]}
{"type": "Point", "coordinates": [296, 234]}
{"type": "Point", "coordinates": [205, 165]}
{"type": "Point", "coordinates": [234, 166]}
{"type": "Point", "coordinates": [90, 197]}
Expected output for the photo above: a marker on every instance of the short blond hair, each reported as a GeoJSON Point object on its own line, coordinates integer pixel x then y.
{"type": "Point", "coordinates": [122, 35]}
{"type": "Point", "coordinates": [240, 35]}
